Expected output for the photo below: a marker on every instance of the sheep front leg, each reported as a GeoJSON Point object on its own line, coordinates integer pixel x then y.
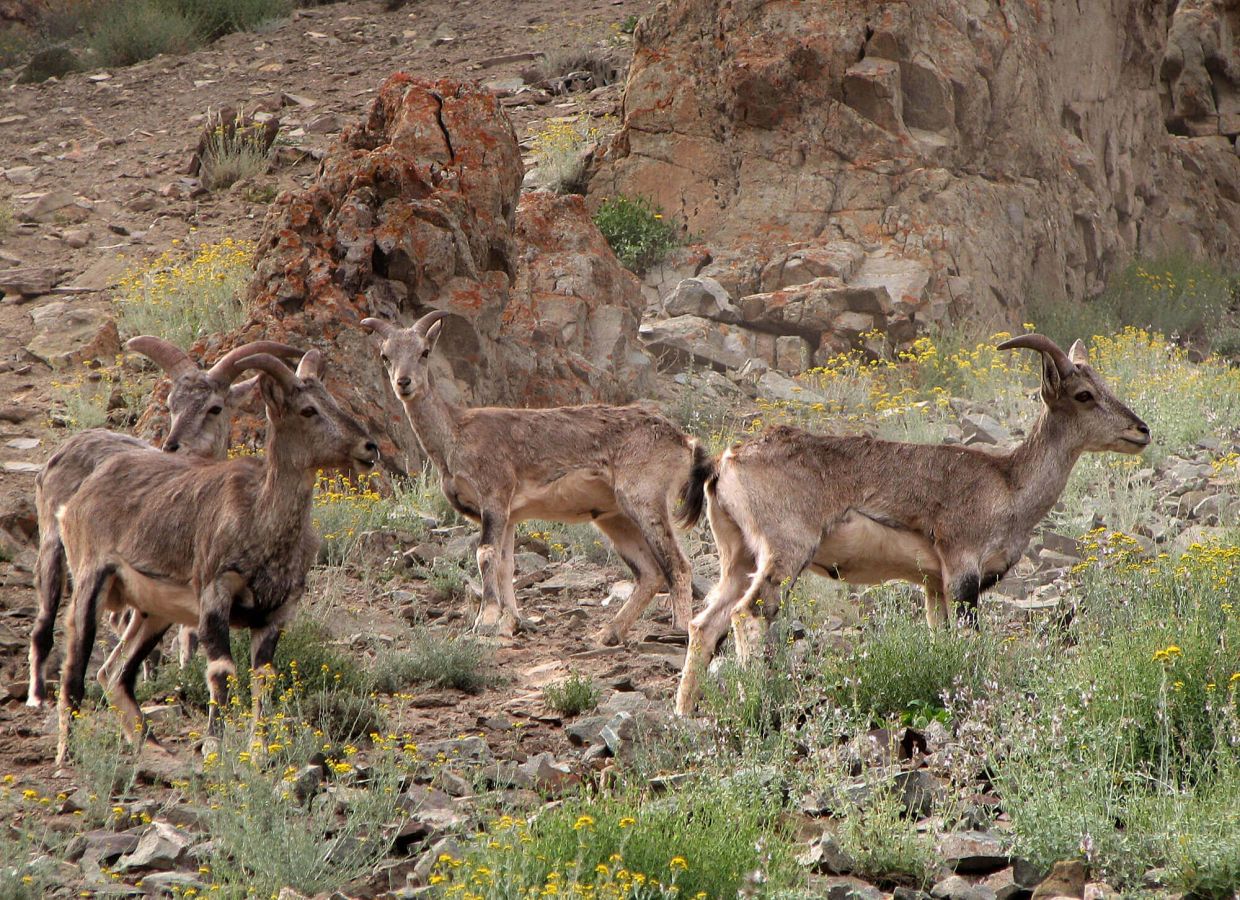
{"type": "Point", "coordinates": [213, 616]}
{"type": "Point", "coordinates": [262, 666]}
{"type": "Point", "coordinates": [491, 619]}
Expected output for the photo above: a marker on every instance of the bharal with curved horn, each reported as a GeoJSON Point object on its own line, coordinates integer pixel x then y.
{"type": "Point", "coordinates": [952, 519]}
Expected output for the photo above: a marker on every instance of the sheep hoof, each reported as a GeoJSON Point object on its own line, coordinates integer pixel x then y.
{"type": "Point", "coordinates": [608, 638]}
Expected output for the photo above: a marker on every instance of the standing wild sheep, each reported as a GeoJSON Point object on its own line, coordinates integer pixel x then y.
{"type": "Point", "coordinates": [207, 544]}
{"type": "Point", "coordinates": [952, 519]}
{"type": "Point", "coordinates": [620, 468]}
{"type": "Point", "coordinates": [201, 403]}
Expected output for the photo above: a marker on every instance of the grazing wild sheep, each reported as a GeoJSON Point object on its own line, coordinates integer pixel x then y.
{"type": "Point", "coordinates": [620, 468]}
{"type": "Point", "coordinates": [952, 519]}
{"type": "Point", "coordinates": [207, 544]}
{"type": "Point", "coordinates": [202, 404]}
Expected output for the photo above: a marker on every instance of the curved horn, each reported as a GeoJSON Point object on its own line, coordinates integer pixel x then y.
{"type": "Point", "coordinates": [168, 356]}
{"type": "Point", "coordinates": [311, 365]}
{"type": "Point", "coordinates": [424, 324]}
{"type": "Point", "coordinates": [379, 326]}
{"type": "Point", "coordinates": [226, 369]}
{"type": "Point", "coordinates": [265, 362]}
{"type": "Point", "coordinates": [1042, 344]}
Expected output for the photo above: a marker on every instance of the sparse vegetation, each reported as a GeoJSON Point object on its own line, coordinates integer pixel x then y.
{"type": "Point", "coordinates": [182, 297]}
{"type": "Point", "coordinates": [134, 30]}
{"type": "Point", "coordinates": [572, 696]}
{"type": "Point", "coordinates": [437, 659]}
{"type": "Point", "coordinates": [1188, 300]}
{"type": "Point", "coordinates": [711, 839]}
{"type": "Point", "coordinates": [560, 148]}
{"type": "Point", "coordinates": [637, 231]}
{"type": "Point", "coordinates": [97, 397]}
{"type": "Point", "coordinates": [6, 218]}
{"type": "Point", "coordinates": [234, 150]}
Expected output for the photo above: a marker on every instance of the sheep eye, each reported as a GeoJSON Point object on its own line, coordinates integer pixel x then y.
{"type": "Point", "coordinates": [426, 352]}
{"type": "Point", "coordinates": [215, 410]}
{"type": "Point", "coordinates": [309, 412]}
{"type": "Point", "coordinates": [1083, 397]}
{"type": "Point", "coordinates": [383, 358]}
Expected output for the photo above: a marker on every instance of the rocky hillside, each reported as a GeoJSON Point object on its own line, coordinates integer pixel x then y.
{"type": "Point", "coordinates": [861, 164]}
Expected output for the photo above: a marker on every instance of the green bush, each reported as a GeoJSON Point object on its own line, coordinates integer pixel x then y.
{"type": "Point", "coordinates": [437, 659]}
{"type": "Point", "coordinates": [713, 838]}
{"type": "Point", "coordinates": [215, 18]}
{"type": "Point", "coordinates": [636, 231]}
{"type": "Point", "coordinates": [305, 662]}
{"type": "Point", "coordinates": [572, 696]}
{"type": "Point", "coordinates": [134, 30]}
{"type": "Point", "coordinates": [182, 297]}
{"type": "Point", "coordinates": [899, 668]}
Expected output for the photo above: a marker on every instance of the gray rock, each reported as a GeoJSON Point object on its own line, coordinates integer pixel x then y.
{"type": "Point", "coordinates": [774, 386]}
{"type": "Point", "coordinates": [585, 731]}
{"type": "Point", "coordinates": [955, 887]}
{"type": "Point", "coordinates": [467, 749]}
{"type": "Point", "coordinates": [167, 882]}
{"type": "Point", "coordinates": [618, 734]}
{"type": "Point", "coordinates": [825, 857]}
{"type": "Point", "coordinates": [846, 887]}
{"type": "Point", "coordinates": [161, 847]}
{"type": "Point", "coordinates": [101, 845]}
{"type": "Point", "coordinates": [701, 296]}
{"type": "Point", "coordinates": [66, 332]}
{"type": "Point", "coordinates": [1004, 885]}
{"type": "Point", "coordinates": [979, 428]}
{"type": "Point", "coordinates": [973, 852]}
{"type": "Point", "coordinates": [426, 864]}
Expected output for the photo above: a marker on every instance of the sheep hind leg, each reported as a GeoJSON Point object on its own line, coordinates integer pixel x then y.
{"type": "Point", "coordinates": [740, 580]}
{"type": "Point", "coordinates": [631, 545]}
{"type": "Point", "coordinates": [50, 581]}
{"type": "Point", "coordinates": [651, 516]}
{"type": "Point", "coordinates": [141, 637]}
{"type": "Point", "coordinates": [79, 640]}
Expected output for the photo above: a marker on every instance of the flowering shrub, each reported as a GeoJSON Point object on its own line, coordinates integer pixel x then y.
{"type": "Point", "coordinates": [181, 297]}
{"type": "Point", "coordinates": [560, 145]}
{"type": "Point", "coordinates": [636, 232]}
{"type": "Point", "coordinates": [708, 840]}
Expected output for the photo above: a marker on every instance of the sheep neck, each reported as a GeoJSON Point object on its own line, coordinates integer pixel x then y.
{"type": "Point", "coordinates": [435, 422]}
{"type": "Point", "coordinates": [1040, 466]}
{"type": "Point", "coordinates": [284, 499]}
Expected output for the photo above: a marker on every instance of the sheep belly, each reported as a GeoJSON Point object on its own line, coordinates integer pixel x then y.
{"type": "Point", "coordinates": [576, 497]}
{"type": "Point", "coordinates": [863, 551]}
{"type": "Point", "coordinates": [166, 599]}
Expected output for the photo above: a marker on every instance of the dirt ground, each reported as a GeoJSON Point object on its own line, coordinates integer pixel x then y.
{"type": "Point", "coordinates": [119, 141]}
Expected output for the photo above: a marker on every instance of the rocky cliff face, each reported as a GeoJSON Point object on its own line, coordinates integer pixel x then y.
{"type": "Point", "coordinates": [863, 164]}
{"type": "Point", "coordinates": [417, 208]}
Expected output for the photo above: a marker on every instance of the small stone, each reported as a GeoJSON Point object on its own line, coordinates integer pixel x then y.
{"type": "Point", "coordinates": [825, 856]}
{"type": "Point", "coordinates": [980, 428]}
{"type": "Point", "coordinates": [1067, 879]}
{"type": "Point", "coordinates": [618, 734]}
{"type": "Point", "coordinates": [846, 887]}
{"type": "Point", "coordinates": [161, 847]}
{"type": "Point", "coordinates": [26, 443]}
{"type": "Point", "coordinates": [955, 887]}
{"type": "Point", "coordinates": [973, 852]}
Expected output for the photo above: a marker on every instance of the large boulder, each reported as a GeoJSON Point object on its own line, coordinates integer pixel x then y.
{"type": "Point", "coordinates": [417, 208]}
{"type": "Point", "coordinates": [963, 155]}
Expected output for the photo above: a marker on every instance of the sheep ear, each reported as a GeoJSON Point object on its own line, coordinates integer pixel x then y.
{"type": "Point", "coordinates": [432, 334]}
{"type": "Point", "coordinates": [1052, 381]}
{"type": "Point", "coordinates": [241, 393]}
{"type": "Point", "coordinates": [1078, 354]}
{"type": "Point", "coordinates": [311, 365]}
{"type": "Point", "coordinates": [272, 392]}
